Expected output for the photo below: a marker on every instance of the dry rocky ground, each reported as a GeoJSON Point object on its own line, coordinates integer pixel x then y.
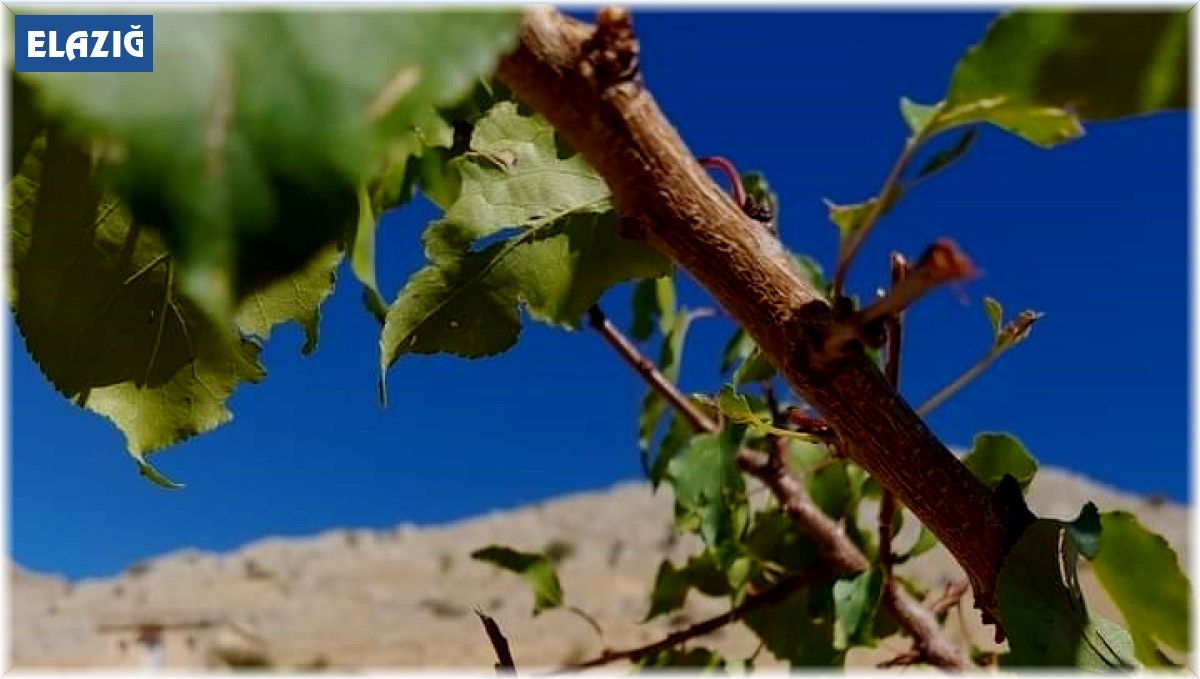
{"type": "Point", "coordinates": [351, 599]}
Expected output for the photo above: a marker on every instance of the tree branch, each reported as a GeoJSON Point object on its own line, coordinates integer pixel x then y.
{"type": "Point", "coordinates": [585, 82]}
{"type": "Point", "coordinates": [839, 554]}
{"type": "Point", "coordinates": [504, 664]}
{"type": "Point", "coordinates": [772, 595]}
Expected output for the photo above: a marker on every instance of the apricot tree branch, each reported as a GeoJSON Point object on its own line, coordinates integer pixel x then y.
{"type": "Point", "coordinates": [839, 555]}
{"type": "Point", "coordinates": [772, 595]}
{"type": "Point", "coordinates": [585, 81]}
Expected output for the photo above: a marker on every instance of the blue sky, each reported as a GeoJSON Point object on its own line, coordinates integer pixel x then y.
{"type": "Point", "coordinates": [1093, 233]}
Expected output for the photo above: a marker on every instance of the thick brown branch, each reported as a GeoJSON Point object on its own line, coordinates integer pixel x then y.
{"type": "Point", "coordinates": [587, 89]}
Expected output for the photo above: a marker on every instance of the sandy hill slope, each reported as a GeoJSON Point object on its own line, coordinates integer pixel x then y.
{"type": "Point", "coordinates": [405, 597]}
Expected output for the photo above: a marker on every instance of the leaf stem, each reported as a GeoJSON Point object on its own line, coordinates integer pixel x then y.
{"type": "Point", "coordinates": [731, 173]}
{"type": "Point", "coordinates": [887, 194]}
{"type": "Point", "coordinates": [961, 381]}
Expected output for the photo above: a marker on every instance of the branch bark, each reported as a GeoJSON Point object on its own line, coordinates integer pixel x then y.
{"type": "Point", "coordinates": [585, 82]}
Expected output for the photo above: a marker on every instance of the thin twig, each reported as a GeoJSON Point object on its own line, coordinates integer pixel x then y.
{"type": "Point", "coordinates": [950, 596]}
{"type": "Point", "coordinates": [772, 595]}
{"type": "Point", "coordinates": [884, 199]}
{"type": "Point", "coordinates": [1013, 333]}
{"type": "Point", "coordinates": [649, 372]}
{"type": "Point", "coordinates": [504, 664]}
{"type": "Point", "coordinates": [837, 551]}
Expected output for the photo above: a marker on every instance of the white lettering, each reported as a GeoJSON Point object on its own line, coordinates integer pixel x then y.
{"type": "Point", "coordinates": [133, 42]}
{"type": "Point", "coordinates": [77, 43]}
{"type": "Point", "coordinates": [36, 40]}
{"type": "Point", "coordinates": [97, 52]}
{"type": "Point", "coordinates": [55, 53]}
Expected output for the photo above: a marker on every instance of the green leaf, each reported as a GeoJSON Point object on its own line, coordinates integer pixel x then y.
{"type": "Point", "coordinates": [917, 116]}
{"type": "Point", "coordinates": [849, 218]}
{"type": "Point", "coordinates": [830, 489]}
{"type": "Point", "coordinates": [810, 269]}
{"type": "Point", "coordinates": [27, 121]}
{"type": "Point", "coordinates": [297, 297]}
{"type": "Point", "coordinates": [995, 314]}
{"type": "Point", "coordinates": [735, 406]}
{"type": "Point", "coordinates": [774, 537]}
{"type": "Point", "coordinates": [674, 327]}
{"type": "Point", "coordinates": [567, 252]}
{"type": "Point", "coordinates": [736, 349]}
{"type": "Point", "coordinates": [804, 455]}
{"type": "Point", "coordinates": [994, 455]}
{"type": "Point", "coordinates": [415, 156]}
{"type": "Point", "coordinates": [362, 256]}
{"type": "Point", "coordinates": [653, 307]}
{"type": "Point", "coordinates": [537, 570]}
{"type": "Point", "coordinates": [799, 630]}
{"type": "Point", "coordinates": [855, 602]}
{"type": "Point", "coordinates": [107, 325]}
{"type": "Point", "coordinates": [247, 144]}
{"type": "Point", "coordinates": [1043, 611]}
{"type": "Point", "coordinates": [671, 586]}
{"type": "Point", "coordinates": [757, 189]}
{"type": "Point", "coordinates": [1036, 70]}
{"type": "Point", "coordinates": [708, 484]}
{"type": "Point", "coordinates": [1141, 573]}
{"type": "Point", "coordinates": [679, 433]}
{"type": "Point", "coordinates": [1104, 65]}
{"type": "Point", "coordinates": [756, 368]}
{"type": "Point", "coordinates": [1085, 531]}
{"type": "Point", "coordinates": [926, 541]}
{"type": "Point", "coordinates": [944, 158]}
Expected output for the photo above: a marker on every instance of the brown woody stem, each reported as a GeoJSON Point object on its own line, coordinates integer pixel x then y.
{"type": "Point", "coordinates": [840, 555]}
{"type": "Point", "coordinates": [584, 81]}
{"type": "Point", "coordinates": [772, 595]}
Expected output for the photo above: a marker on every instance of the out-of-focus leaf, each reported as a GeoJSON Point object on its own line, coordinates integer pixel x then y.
{"type": "Point", "coordinates": [108, 325]}
{"type": "Point", "coordinates": [736, 350]}
{"type": "Point", "coordinates": [708, 484]}
{"type": "Point", "coordinates": [800, 630]}
{"type": "Point", "coordinates": [855, 603]}
{"type": "Point", "coordinates": [1141, 573]}
{"type": "Point", "coordinates": [1038, 72]}
{"type": "Point", "coordinates": [995, 314]}
{"type": "Point", "coordinates": [536, 569]}
{"type": "Point", "coordinates": [735, 407]}
{"type": "Point", "coordinates": [993, 455]}
{"type": "Point", "coordinates": [773, 537]}
{"type": "Point", "coordinates": [756, 368]}
{"type": "Point", "coordinates": [1085, 531]}
{"type": "Point", "coordinates": [246, 145]}
{"type": "Point", "coordinates": [1043, 610]}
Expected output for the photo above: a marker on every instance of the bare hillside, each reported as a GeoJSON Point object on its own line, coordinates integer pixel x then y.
{"type": "Point", "coordinates": [405, 597]}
